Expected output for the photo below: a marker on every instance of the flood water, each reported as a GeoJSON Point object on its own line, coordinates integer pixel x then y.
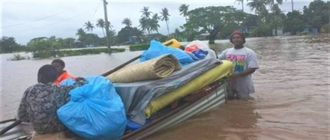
{"type": "Point", "coordinates": [291, 99]}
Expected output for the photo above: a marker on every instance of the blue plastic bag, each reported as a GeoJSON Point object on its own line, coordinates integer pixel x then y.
{"type": "Point", "coordinates": [200, 53]}
{"type": "Point", "coordinates": [157, 49]}
{"type": "Point", "coordinates": [95, 110]}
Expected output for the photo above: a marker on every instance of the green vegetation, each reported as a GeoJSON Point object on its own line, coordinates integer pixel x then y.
{"type": "Point", "coordinates": [203, 23]}
{"type": "Point", "coordinates": [325, 28]}
{"type": "Point", "coordinates": [9, 45]}
{"type": "Point", "coordinates": [44, 47]}
{"type": "Point", "coordinates": [62, 53]}
{"type": "Point", "coordinates": [18, 57]}
{"type": "Point", "coordinates": [139, 47]}
{"type": "Point", "coordinates": [304, 33]}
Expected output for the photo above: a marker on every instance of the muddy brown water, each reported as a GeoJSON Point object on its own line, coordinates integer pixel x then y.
{"type": "Point", "coordinates": [291, 99]}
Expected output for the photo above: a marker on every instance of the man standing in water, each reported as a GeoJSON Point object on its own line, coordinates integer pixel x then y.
{"type": "Point", "coordinates": [62, 74]}
{"type": "Point", "coordinates": [245, 63]}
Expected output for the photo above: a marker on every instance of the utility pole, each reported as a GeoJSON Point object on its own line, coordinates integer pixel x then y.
{"type": "Point", "coordinates": [106, 25]}
{"type": "Point", "coordinates": [292, 5]}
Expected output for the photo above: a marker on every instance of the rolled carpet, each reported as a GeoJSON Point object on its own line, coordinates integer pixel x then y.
{"type": "Point", "coordinates": [159, 67]}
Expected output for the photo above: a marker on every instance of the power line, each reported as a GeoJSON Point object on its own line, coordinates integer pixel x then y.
{"type": "Point", "coordinates": [97, 8]}
{"type": "Point", "coordinates": [56, 22]}
{"type": "Point", "coordinates": [32, 20]}
{"type": "Point", "coordinates": [59, 21]}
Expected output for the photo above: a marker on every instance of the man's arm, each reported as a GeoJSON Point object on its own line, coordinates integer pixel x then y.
{"type": "Point", "coordinates": [242, 74]}
{"type": "Point", "coordinates": [22, 113]}
{"type": "Point", "coordinates": [252, 66]}
{"type": "Point", "coordinates": [64, 90]}
{"type": "Point", "coordinates": [222, 56]}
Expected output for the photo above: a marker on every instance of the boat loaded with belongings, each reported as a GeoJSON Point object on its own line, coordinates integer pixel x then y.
{"type": "Point", "coordinates": [160, 91]}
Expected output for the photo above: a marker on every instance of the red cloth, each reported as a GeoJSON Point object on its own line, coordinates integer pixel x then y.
{"type": "Point", "coordinates": [191, 48]}
{"type": "Point", "coordinates": [63, 76]}
{"type": "Point", "coordinates": [237, 32]}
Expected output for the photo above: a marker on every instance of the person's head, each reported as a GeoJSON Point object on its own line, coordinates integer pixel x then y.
{"type": "Point", "coordinates": [237, 38]}
{"type": "Point", "coordinates": [47, 73]}
{"type": "Point", "coordinates": [59, 65]}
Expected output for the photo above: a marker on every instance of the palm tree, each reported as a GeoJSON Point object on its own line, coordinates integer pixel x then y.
{"type": "Point", "coordinates": [164, 17]}
{"type": "Point", "coordinates": [109, 25]}
{"type": "Point", "coordinates": [146, 21]}
{"type": "Point", "coordinates": [259, 6]}
{"type": "Point", "coordinates": [145, 12]}
{"type": "Point", "coordinates": [127, 22]}
{"type": "Point", "coordinates": [89, 26]}
{"type": "Point", "coordinates": [101, 24]}
{"type": "Point", "coordinates": [272, 2]}
{"type": "Point", "coordinates": [80, 32]}
{"type": "Point", "coordinates": [154, 23]}
{"type": "Point", "coordinates": [242, 2]}
{"type": "Point", "coordinates": [144, 24]}
{"type": "Point", "coordinates": [184, 10]}
{"type": "Point", "coordinates": [276, 13]}
{"type": "Point", "coordinates": [276, 9]}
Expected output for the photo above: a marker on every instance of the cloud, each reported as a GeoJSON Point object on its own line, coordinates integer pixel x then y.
{"type": "Point", "coordinates": [28, 19]}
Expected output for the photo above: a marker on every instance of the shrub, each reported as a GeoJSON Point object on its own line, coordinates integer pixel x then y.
{"type": "Point", "coordinates": [139, 47]}
{"type": "Point", "coordinates": [62, 53]}
{"type": "Point", "coordinates": [89, 51]}
{"type": "Point", "coordinates": [304, 33]}
{"type": "Point", "coordinates": [325, 28]}
{"type": "Point", "coordinates": [43, 54]}
{"type": "Point", "coordinates": [114, 50]}
{"type": "Point", "coordinates": [211, 42]}
{"type": "Point", "coordinates": [18, 57]}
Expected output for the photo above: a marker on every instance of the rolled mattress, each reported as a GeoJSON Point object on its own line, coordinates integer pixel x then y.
{"type": "Point", "coordinates": [210, 76]}
{"type": "Point", "coordinates": [159, 67]}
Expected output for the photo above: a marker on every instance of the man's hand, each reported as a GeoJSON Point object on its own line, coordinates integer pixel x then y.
{"type": "Point", "coordinates": [241, 74]}
{"type": "Point", "coordinates": [233, 76]}
{"type": "Point", "coordinates": [81, 81]}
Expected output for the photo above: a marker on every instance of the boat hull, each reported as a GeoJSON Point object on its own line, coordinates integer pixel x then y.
{"type": "Point", "coordinates": [211, 101]}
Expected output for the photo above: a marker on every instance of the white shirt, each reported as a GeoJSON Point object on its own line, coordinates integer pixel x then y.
{"type": "Point", "coordinates": [243, 58]}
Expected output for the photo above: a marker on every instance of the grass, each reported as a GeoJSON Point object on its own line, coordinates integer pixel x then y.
{"type": "Point", "coordinates": [18, 57]}
{"type": "Point", "coordinates": [88, 51]}
{"type": "Point", "coordinates": [139, 47]}
{"type": "Point", "coordinates": [61, 53]}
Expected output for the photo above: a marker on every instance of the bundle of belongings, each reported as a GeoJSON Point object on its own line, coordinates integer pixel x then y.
{"type": "Point", "coordinates": [106, 106]}
{"type": "Point", "coordinates": [95, 110]}
{"type": "Point", "coordinates": [199, 50]}
{"type": "Point", "coordinates": [164, 75]}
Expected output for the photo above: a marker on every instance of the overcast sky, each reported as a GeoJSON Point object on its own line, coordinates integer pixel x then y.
{"type": "Point", "coordinates": [28, 19]}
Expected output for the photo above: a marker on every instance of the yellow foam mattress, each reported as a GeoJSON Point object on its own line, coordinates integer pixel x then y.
{"type": "Point", "coordinates": [197, 83]}
{"type": "Point", "coordinates": [172, 43]}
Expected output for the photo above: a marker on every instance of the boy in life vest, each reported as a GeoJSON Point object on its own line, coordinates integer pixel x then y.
{"type": "Point", "coordinates": [62, 74]}
{"type": "Point", "coordinates": [245, 63]}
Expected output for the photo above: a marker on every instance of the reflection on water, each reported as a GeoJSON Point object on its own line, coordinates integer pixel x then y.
{"type": "Point", "coordinates": [235, 120]}
{"type": "Point", "coordinates": [291, 99]}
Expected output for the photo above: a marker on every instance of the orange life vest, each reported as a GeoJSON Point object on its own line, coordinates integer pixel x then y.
{"type": "Point", "coordinates": [62, 77]}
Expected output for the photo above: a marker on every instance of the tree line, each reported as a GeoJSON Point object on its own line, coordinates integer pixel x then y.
{"type": "Point", "coordinates": [216, 22]}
